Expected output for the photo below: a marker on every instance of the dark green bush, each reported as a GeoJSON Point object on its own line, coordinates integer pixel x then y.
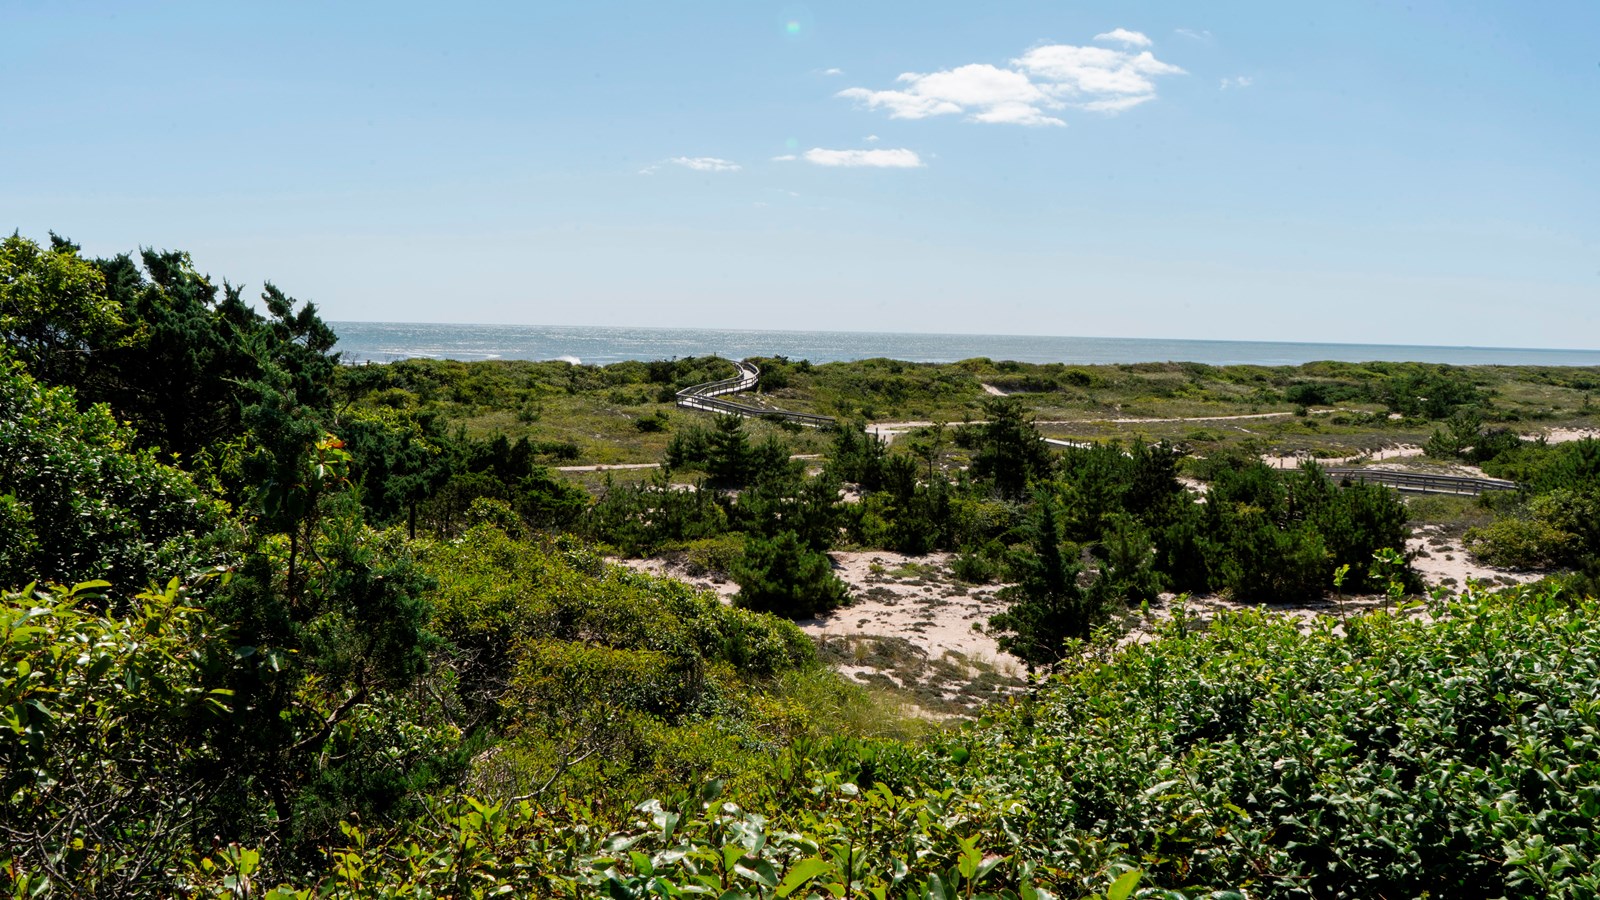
{"type": "Point", "coordinates": [781, 575]}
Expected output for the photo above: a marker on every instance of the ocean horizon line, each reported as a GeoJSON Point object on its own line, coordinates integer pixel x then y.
{"type": "Point", "coordinates": [605, 344]}
{"type": "Point", "coordinates": [966, 335]}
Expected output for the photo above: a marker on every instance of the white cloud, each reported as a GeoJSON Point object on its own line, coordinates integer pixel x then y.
{"type": "Point", "coordinates": [871, 139]}
{"type": "Point", "coordinates": [1095, 73]}
{"type": "Point", "coordinates": [787, 157]}
{"type": "Point", "coordinates": [1117, 104]}
{"type": "Point", "coordinates": [877, 159]}
{"type": "Point", "coordinates": [1192, 34]}
{"type": "Point", "coordinates": [830, 71]}
{"type": "Point", "coordinates": [705, 163]}
{"type": "Point", "coordinates": [1124, 36]}
{"type": "Point", "coordinates": [1036, 85]}
{"type": "Point", "coordinates": [988, 93]}
{"type": "Point", "coordinates": [1241, 81]}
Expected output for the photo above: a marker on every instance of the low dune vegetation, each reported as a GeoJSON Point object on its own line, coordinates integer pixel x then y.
{"type": "Point", "coordinates": [277, 627]}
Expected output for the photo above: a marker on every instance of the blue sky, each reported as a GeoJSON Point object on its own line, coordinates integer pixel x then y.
{"type": "Point", "coordinates": [1354, 171]}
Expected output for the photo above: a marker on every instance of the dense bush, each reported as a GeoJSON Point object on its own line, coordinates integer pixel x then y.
{"type": "Point", "coordinates": [642, 518]}
{"type": "Point", "coordinates": [578, 660]}
{"type": "Point", "coordinates": [783, 576]}
{"type": "Point", "coordinates": [1048, 606]}
{"type": "Point", "coordinates": [79, 502]}
{"type": "Point", "coordinates": [1384, 757]}
{"type": "Point", "coordinates": [1270, 536]}
{"type": "Point", "coordinates": [106, 724]}
{"type": "Point", "coordinates": [1403, 759]}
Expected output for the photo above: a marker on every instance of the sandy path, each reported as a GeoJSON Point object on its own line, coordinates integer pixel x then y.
{"type": "Point", "coordinates": [1125, 421]}
{"type": "Point", "coordinates": [1397, 451]}
{"type": "Point", "coordinates": [606, 468]}
{"type": "Point", "coordinates": [888, 431]}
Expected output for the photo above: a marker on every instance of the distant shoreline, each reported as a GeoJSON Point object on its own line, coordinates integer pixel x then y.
{"type": "Point", "coordinates": [388, 341]}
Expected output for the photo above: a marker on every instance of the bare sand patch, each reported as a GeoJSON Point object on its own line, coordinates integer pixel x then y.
{"type": "Point", "coordinates": [1443, 561]}
{"type": "Point", "coordinates": [1563, 435]}
{"type": "Point", "coordinates": [914, 597]}
{"type": "Point", "coordinates": [669, 567]}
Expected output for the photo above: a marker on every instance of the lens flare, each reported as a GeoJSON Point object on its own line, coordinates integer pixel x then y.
{"type": "Point", "coordinates": [796, 22]}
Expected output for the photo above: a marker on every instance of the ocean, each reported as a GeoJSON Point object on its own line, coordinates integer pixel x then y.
{"type": "Point", "coordinates": [599, 345]}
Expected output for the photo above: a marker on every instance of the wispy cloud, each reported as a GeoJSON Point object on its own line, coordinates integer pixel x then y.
{"type": "Point", "coordinates": [1194, 34]}
{"type": "Point", "coordinates": [787, 157]}
{"type": "Point", "coordinates": [697, 163]}
{"type": "Point", "coordinates": [1124, 36]}
{"type": "Point", "coordinates": [1032, 88]}
{"type": "Point", "coordinates": [871, 139]}
{"type": "Point", "coordinates": [1238, 81]}
{"type": "Point", "coordinates": [833, 71]}
{"type": "Point", "coordinates": [705, 163]}
{"type": "Point", "coordinates": [900, 158]}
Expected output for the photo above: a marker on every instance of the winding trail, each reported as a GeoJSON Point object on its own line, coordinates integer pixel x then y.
{"type": "Point", "coordinates": [704, 397]}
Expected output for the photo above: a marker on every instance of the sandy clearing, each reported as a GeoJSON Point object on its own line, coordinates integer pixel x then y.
{"type": "Point", "coordinates": [670, 568]}
{"type": "Point", "coordinates": [926, 606]}
{"type": "Point", "coordinates": [1441, 559]}
{"type": "Point", "coordinates": [888, 431]}
{"type": "Point", "coordinates": [993, 391]}
{"type": "Point", "coordinates": [1562, 435]}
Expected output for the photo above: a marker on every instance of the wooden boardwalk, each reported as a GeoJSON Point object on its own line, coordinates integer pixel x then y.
{"type": "Point", "coordinates": [707, 397]}
{"type": "Point", "coordinates": [1422, 482]}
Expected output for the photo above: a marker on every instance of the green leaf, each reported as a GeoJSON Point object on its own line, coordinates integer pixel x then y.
{"type": "Point", "coordinates": [757, 870]}
{"type": "Point", "coordinates": [1122, 888]}
{"type": "Point", "coordinates": [800, 873]}
{"type": "Point", "coordinates": [1158, 789]}
{"type": "Point", "coordinates": [970, 857]}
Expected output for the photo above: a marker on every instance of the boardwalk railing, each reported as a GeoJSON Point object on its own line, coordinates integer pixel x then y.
{"type": "Point", "coordinates": [705, 397]}
{"type": "Point", "coordinates": [1422, 483]}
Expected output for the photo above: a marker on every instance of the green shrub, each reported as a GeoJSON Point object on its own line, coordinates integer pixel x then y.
{"type": "Point", "coordinates": [781, 575]}
{"type": "Point", "coordinates": [1519, 543]}
{"type": "Point", "coordinates": [107, 722]}
{"type": "Point", "coordinates": [79, 502]}
{"type": "Point", "coordinates": [710, 556]}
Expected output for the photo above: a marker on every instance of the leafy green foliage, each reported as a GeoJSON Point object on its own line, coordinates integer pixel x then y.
{"type": "Point", "coordinates": [105, 731]}
{"type": "Point", "coordinates": [783, 576]}
{"type": "Point", "coordinates": [1270, 536]}
{"type": "Point", "coordinates": [1429, 392]}
{"type": "Point", "coordinates": [1047, 607]}
{"type": "Point", "coordinates": [1558, 528]}
{"type": "Point", "coordinates": [642, 518]}
{"type": "Point", "coordinates": [608, 680]}
{"type": "Point", "coordinates": [53, 307]}
{"type": "Point", "coordinates": [726, 454]}
{"type": "Point", "coordinates": [1403, 759]}
{"type": "Point", "coordinates": [1010, 452]}
{"type": "Point", "coordinates": [79, 502]}
{"type": "Point", "coordinates": [1391, 757]}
